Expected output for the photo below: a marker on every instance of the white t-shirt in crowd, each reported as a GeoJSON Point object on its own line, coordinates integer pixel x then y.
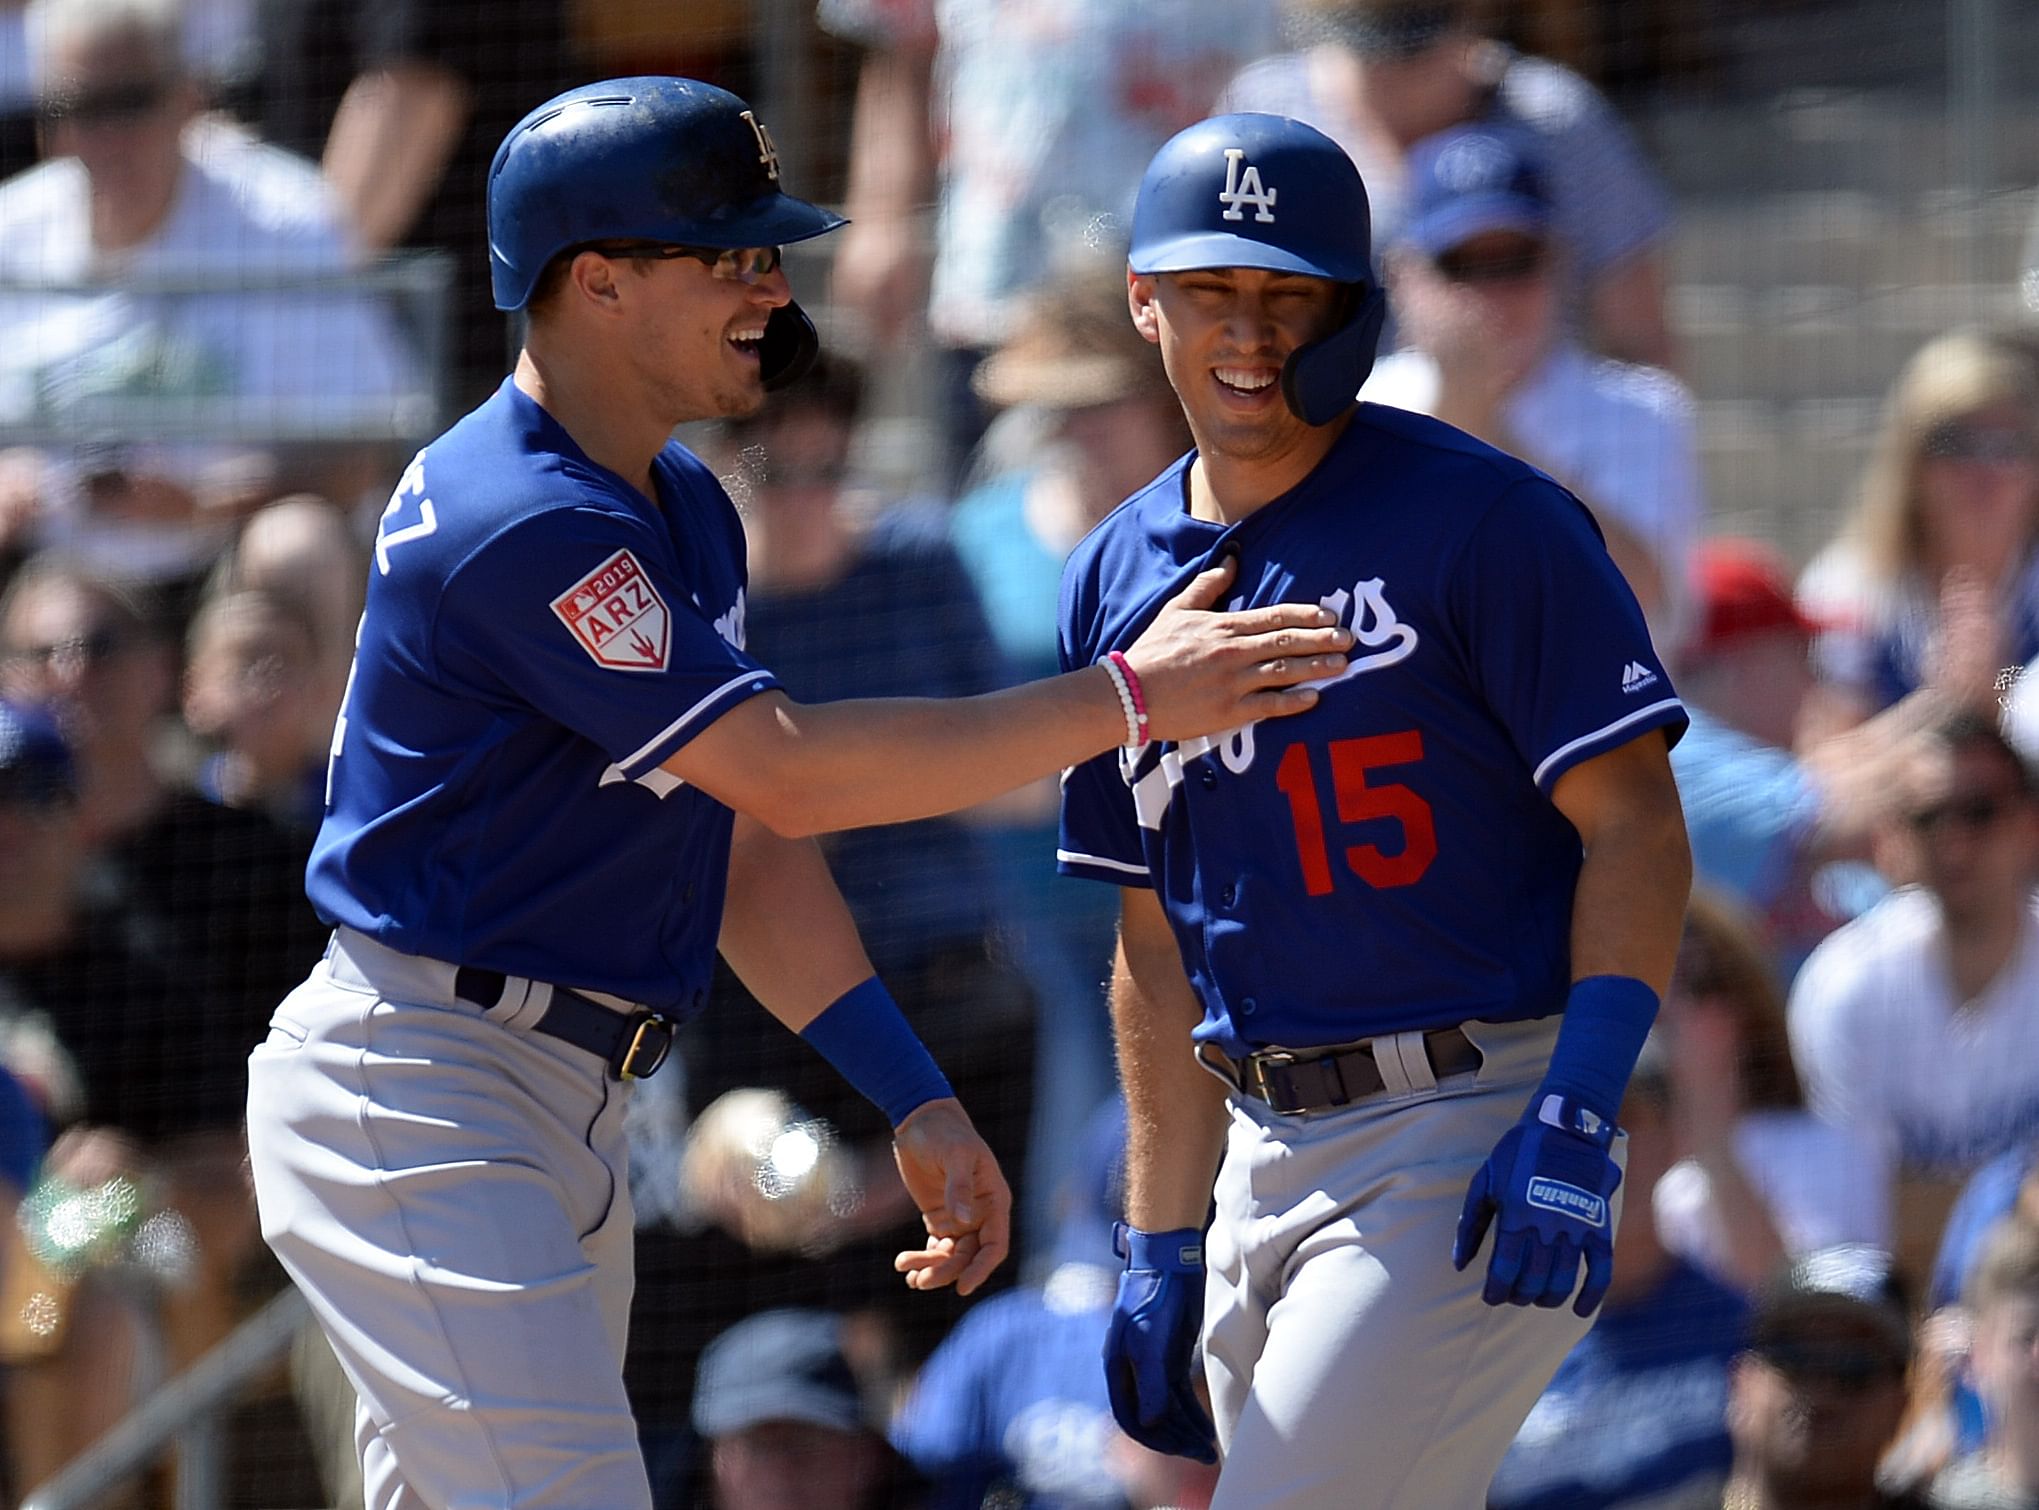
{"type": "Point", "coordinates": [1822, 1185]}
{"type": "Point", "coordinates": [1884, 1048]}
{"type": "Point", "coordinates": [1621, 436]}
{"type": "Point", "coordinates": [282, 360]}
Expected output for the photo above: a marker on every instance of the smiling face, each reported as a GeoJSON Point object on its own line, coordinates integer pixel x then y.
{"type": "Point", "coordinates": [1224, 335]}
{"type": "Point", "coordinates": [684, 337]}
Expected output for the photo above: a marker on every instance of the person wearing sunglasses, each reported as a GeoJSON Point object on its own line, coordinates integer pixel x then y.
{"type": "Point", "coordinates": [1477, 278]}
{"type": "Point", "coordinates": [1932, 582]}
{"type": "Point", "coordinates": [1819, 1395]}
{"type": "Point", "coordinates": [167, 380]}
{"type": "Point", "coordinates": [1915, 1023]}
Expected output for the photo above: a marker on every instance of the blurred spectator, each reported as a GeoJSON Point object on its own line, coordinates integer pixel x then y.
{"type": "Point", "coordinates": [253, 694]}
{"type": "Point", "coordinates": [220, 888]}
{"type": "Point", "coordinates": [1099, 420]}
{"type": "Point", "coordinates": [1475, 271]}
{"type": "Point", "coordinates": [1034, 118]}
{"type": "Point", "coordinates": [787, 1423]}
{"type": "Point", "coordinates": [1817, 1399]}
{"type": "Point", "coordinates": [1012, 1408]}
{"type": "Point", "coordinates": [1917, 1022]}
{"type": "Point", "coordinates": [1785, 836]}
{"type": "Point", "coordinates": [1934, 583]}
{"type": "Point", "coordinates": [301, 549]}
{"type": "Point", "coordinates": [2002, 1305]}
{"type": "Point", "coordinates": [143, 194]}
{"type": "Point", "coordinates": [132, 1239]}
{"type": "Point", "coordinates": [403, 103]}
{"type": "Point", "coordinates": [1634, 1415]}
{"type": "Point", "coordinates": [1378, 76]}
{"type": "Point", "coordinates": [841, 606]}
{"type": "Point", "coordinates": [2002, 1189]}
{"type": "Point", "coordinates": [1758, 1177]}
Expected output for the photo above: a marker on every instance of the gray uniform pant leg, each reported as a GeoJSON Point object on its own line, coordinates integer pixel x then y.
{"type": "Point", "coordinates": [1350, 1366]}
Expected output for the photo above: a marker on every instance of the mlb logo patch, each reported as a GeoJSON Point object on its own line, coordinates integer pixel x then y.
{"type": "Point", "coordinates": [618, 616]}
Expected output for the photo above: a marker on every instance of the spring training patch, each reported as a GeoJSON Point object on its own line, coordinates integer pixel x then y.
{"type": "Point", "coordinates": [618, 616]}
{"type": "Point", "coordinates": [1568, 1200]}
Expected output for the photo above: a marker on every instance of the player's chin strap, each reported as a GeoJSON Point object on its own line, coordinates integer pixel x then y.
{"type": "Point", "coordinates": [1320, 380]}
{"type": "Point", "coordinates": [789, 347]}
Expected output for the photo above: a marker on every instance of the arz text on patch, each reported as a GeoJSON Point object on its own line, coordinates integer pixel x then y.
{"type": "Point", "coordinates": [618, 616]}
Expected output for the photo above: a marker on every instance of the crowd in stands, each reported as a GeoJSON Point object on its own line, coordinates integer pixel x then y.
{"type": "Point", "coordinates": [1827, 1281]}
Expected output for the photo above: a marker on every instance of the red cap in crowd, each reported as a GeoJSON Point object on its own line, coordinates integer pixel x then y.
{"type": "Point", "coordinates": [1744, 588]}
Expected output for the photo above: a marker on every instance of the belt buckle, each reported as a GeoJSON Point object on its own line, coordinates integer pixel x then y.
{"type": "Point", "coordinates": [1259, 1063]}
{"type": "Point", "coordinates": [652, 1035]}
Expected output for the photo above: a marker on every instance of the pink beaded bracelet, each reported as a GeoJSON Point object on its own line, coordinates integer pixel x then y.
{"type": "Point", "coordinates": [1131, 695]}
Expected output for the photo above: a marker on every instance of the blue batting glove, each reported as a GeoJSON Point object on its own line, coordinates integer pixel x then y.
{"type": "Point", "coordinates": [1546, 1188]}
{"type": "Point", "coordinates": [1151, 1342]}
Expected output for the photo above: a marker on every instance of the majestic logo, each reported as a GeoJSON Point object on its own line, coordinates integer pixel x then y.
{"type": "Point", "coordinates": [1568, 1200]}
{"type": "Point", "coordinates": [1244, 188]}
{"type": "Point", "coordinates": [618, 616]}
{"type": "Point", "coordinates": [1635, 676]}
{"type": "Point", "coordinates": [767, 153]}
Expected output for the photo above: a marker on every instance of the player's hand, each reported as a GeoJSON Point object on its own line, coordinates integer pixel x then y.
{"type": "Point", "coordinates": [1151, 1341]}
{"type": "Point", "coordinates": [1205, 672]}
{"type": "Point", "coordinates": [1547, 1190]}
{"type": "Point", "coordinates": [963, 1199]}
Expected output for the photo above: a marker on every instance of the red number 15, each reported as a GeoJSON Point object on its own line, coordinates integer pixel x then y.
{"type": "Point", "coordinates": [1351, 760]}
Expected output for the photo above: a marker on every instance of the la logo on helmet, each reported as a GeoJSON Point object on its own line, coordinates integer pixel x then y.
{"type": "Point", "coordinates": [1242, 189]}
{"type": "Point", "coordinates": [767, 153]}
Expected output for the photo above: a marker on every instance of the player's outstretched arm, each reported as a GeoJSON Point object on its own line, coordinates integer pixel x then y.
{"type": "Point", "coordinates": [814, 769]}
{"type": "Point", "coordinates": [789, 937]}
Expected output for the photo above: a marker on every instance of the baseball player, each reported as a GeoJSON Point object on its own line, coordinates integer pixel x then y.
{"type": "Point", "coordinates": [558, 785]}
{"type": "Point", "coordinates": [1417, 934]}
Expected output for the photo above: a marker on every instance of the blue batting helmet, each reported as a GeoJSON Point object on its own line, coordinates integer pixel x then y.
{"type": "Point", "coordinates": [1264, 191]}
{"type": "Point", "coordinates": [646, 159]}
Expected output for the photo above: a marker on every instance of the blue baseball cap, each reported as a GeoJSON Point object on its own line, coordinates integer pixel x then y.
{"type": "Point", "coordinates": [35, 760]}
{"type": "Point", "coordinates": [1092, 1198]}
{"type": "Point", "coordinates": [783, 1365]}
{"type": "Point", "coordinates": [1470, 180]}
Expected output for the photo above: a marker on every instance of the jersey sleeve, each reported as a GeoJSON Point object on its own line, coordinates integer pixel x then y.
{"type": "Point", "coordinates": [569, 611]}
{"type": "Point", "coordinates": [1554, 639]}
{"type": "Point", "coordinates": [1100, 832]}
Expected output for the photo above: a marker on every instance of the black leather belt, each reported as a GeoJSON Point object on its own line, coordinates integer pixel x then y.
{"type": "Point", "coordinates": [1313, 1080]}
{"type": "Point", "coordinates": [632, 1044]}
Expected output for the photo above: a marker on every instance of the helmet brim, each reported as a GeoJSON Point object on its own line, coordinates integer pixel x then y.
{"type": "Point", "coordinates": [1184, 254]}
{"type": "Point", "coordinates": [774, 220]}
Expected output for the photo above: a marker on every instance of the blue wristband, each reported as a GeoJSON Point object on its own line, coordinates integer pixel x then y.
{"type": "Point", "coordinates": [869, 1041]}
{"type": "Point", "coordinates": [1607, 1017]}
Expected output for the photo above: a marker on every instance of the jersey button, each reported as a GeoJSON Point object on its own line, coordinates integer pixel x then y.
{"type": "Point", "coordinates": [1248, 1006]}
{"type": "Point", "coordinates": [1209, 777]}
{"type": "Point", "coordinates": [1228, 896]}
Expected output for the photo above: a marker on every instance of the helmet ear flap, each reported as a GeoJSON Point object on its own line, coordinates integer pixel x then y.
{"type": "Point", "coordinates": [1320, 380]}
{"type": "Point", "coordinates": [789, 347]}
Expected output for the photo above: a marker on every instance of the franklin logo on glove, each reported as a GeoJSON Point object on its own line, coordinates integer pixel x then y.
{"type": "Point", "coordinates": [1570, 1199]}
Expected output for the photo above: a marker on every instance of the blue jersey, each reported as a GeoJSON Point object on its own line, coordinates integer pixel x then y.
{"type": "Point", "coordinates": [1389, 860]}
{"type": "Point", "coordinates": [1636, 1414]}
{"type": "Point", "coordinates": [538, 637]}
{"type": "Point", "coordinates": [1012, 1407]}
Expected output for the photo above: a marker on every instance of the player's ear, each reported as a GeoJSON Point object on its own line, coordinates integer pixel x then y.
{"type": "Point", "coordinates": [1140, 301]}
{"type": "Point", "coordinates": [593, 277]}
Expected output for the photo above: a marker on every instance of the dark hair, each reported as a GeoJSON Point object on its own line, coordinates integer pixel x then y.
{"type": "Point", "coordinates": [1721, 958]}
{"type": "Point", "coordinates": [1968, 730]}
{"type": "Point", "coordinates": [834, 385]}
